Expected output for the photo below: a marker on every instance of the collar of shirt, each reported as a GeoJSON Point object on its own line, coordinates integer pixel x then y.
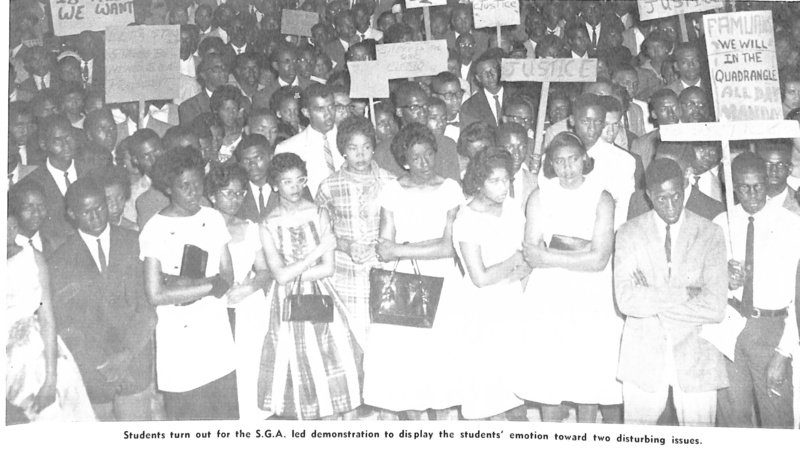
{"type": "Point", "coordinates": [239, 50]}
{"type": "Point", "coordinates": [699, 84]}
{"type": "Point", "coordinates": [779, 199]}
{"type": "Point", "coordinates": [554, 31]}
{"type": "Point", "coordinates": [12, 97]}
{"type": "Point", "coordinates": [39, 80]}
{"type": "Point", "coordinates": [674, 228]}
{"type": "Point", "coordinates": [90, 64]}
{"type": "Point", "coordinates": [282, 83]}
{"type": "Point", "coordinates": [161, 114]}
{"type": "Point", "coordinates": [37, 240]}
{"type": "Point", "coordinates": [58, 175]}
{"type": "Point", "coordinates": [15, 50]}
{"type": "Point", "coordinates": [576, 56]}
{"type": "Point", "coordinates": [265, 189]}
{"type": "Point", "coordinates": [223, 34]}
{"type": "Point", "coordinates": [132, 126]}
{"type": "Point", "coordinates": [23, 154]}
{"type": "Point", "coordinates": [209, 93]}
{"type": "Point", "coordinates": [345, 44]}
{"type": "Point", "coordinates": [465, 70]}
{"type": "Point", "coordinates": [91, 244]}
{"type": "Point", "coordinates": [187, 67]}
{"type": "Point", "coordinates": [15, 174]}
{"type": "Point", "coordinates": [596, 28]}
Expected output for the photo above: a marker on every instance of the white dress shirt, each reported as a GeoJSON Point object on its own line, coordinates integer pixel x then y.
{"type": "Point", "coordinates": [188, 68]}
{"type": "Point", "coordinates": [58, 175]}
{"type": "Point", "coordinates": [597, 33]}
{"type": "Point", "coordinates": [674, 229]}
{"type": "Point", "coordinates": [295, 82]}
{"type": "Point", "coordinates": [492, 106]}
{"type": "Point", "coordinates": [465, 71]}
{"type": "Point", "coordinates": [309, 146]}
{"type": "Point", "coordinates": [372, 33]}
{"type": "Point", "coordinates": [776, 245]}
{"type": "Point", "coordinates": [709, 184]}
{"type": "Point", "coordinates": [36, 239]}
{"type": "Point", "coordinates": [239, 50]}
{"type": "Point", "coordinates": [345, 44]}
{"type": "Point", "coordinates": [90, 64]}
{"type": "Point", "coordinates": [577, 56]}
{"type": "Point", "coordinates": [91, 244]}
{"type": "Point", "coordinates": [42, 82]}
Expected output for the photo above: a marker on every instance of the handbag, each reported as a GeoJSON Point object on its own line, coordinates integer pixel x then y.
{"type": "Point", "coordinates": [403, 299]}
{"type": "Point", "coordinates": [314, 307]}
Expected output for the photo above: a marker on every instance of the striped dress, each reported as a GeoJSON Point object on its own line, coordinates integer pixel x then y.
{"type": "Point", "coordinates": [308, 370]}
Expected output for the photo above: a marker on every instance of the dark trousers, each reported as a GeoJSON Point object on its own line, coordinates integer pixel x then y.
{"type": "Point", "coordinates": [216, 400]}
{"type": "Point", "coordinates": [755, 348]}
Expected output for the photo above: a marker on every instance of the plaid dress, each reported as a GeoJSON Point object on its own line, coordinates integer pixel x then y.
{"type": "Point", "coordinates": [308, 370]}
{"type": "Point", "coordinates": [351, 200]}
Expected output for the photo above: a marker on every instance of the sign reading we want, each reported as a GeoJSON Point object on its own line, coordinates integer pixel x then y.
{"type": "Point", "coordinates": [73, 16]}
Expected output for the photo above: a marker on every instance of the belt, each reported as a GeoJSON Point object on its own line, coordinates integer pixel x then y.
{"type": "Point", "coordinates": [757, 312]}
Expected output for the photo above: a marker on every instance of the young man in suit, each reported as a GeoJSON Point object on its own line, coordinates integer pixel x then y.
{"type": "Point", "coordinates": [28, 203]}
{"type": "Point", "coordinates": [486, 105]}
{"type": "Point", "coordinates": [284, 62]}
{"type": "Point", "coordinates": [316, 145]}
{"type": "Point", "coordinates": [214, 72]}
{"type": "Point", "coordinates": [189, 87]}
{"type": "Point", "coordinates": [762, 275]}
{"type": "Point", "coordinates": [778, 157]}
{"type": "Point", "coordinates": [689, 65]}
{"type": "Point", "coordinates": [62, 167]}
{"type": "Point", "coordinates": [21, 134]}
{"type": "Point", "coordinates": [695, 200]}
{"type": "Point", "coordinates": [669, 279]}
{"type": "Point", "coordinates": [91, 49]}
{"type": "Point", "coordinates": [40, 64]}
{"type": "Point", "coordinates": [101, 309]}
{"type": "Point", "coordinates": [254, 152]}
{"type": "Point", "coordinates": [461, 23]}
{"type": "Point", "coordinates": [345, 25]}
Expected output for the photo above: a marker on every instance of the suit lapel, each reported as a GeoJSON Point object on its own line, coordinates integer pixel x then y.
{"type": "Point", "coordinates": [83, 258]}
{"type": "Point", "coordinates": [686, 237]}
{"type": "Point", "coordinates": [655, 248]}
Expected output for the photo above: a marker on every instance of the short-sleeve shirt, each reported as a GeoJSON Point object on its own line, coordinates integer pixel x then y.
{"type": "Point", "coordinates": [194, 343]}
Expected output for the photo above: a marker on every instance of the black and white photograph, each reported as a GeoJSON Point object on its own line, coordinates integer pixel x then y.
{"type": "Point", "coordinates": [556, 223]}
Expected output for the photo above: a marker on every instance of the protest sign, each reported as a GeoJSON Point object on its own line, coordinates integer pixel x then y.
{"type": "Point", "coordinates": [491, 13]}
{"type": "Point", "coordinates": [654, 9]}
{"type": "Point", "coordinates": [730, 131]}
{"type": "Point", "coordinates": [413, 59]}
{"type": "Point", "coordinates": [368, 79]}
{"type": "Point", "coordinates": [142, 63]}
{"type": "Point", "coordinates": [73, 16]}
{"type": "Point", "coordinates": [298, 23]}
{"type": "Point", "coordinates": [743, 66]}
{"type": "Point", "coordinates": [547, 70]}
{"type": "Point", "coordinates": [424, 3]}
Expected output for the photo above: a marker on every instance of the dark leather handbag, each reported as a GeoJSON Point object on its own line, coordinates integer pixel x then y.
{"type": "Point", "coordinates": [403, 299]}
{"type": "Point", "coordinates": [298, 307]}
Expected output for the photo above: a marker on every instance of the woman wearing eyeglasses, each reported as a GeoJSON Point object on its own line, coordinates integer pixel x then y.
{"type": "Point", "coordinates": [309, 369]}
{"type": "Point", "coordinates": [226, 189]}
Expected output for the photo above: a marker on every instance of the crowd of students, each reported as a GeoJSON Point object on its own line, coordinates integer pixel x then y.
{"type": "Point", "coordinates": [590, 276]}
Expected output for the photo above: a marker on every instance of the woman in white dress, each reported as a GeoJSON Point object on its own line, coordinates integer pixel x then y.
{"type": "Point", "coordinates": [573, 333]}
{"type": "Point", "coordinates": [225, 187]}
{"type": "Point", "coordinates": [487, 236]}
{"type": "Point", "coordinates": [405, 368]}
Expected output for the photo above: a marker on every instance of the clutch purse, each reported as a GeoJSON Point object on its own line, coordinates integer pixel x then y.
{"type": "Point", "coordinates": [193, 262]}
{"type": "Point", "coordinates": [403, 299]}
{"type": "Point", "coordinates": [314, 307]}
{"type": "Point", "coordinates": [559, 242]}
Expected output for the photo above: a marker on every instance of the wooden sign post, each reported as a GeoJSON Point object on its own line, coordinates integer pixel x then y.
{"type": "Point", "coordinates": [73, 16]}
{"type": "Point", "coordinates": [655, 9]}
{"type": "Point", "coordinates": [547, 70]}
{"type": "Point", "coordinates": [426, 12]}
{"type": "Point", "coordinates": [142, 63]}
{"type": "Point", "coordinates": [495, 13]}
{"type": "Point", "coordinates": [369, 80]}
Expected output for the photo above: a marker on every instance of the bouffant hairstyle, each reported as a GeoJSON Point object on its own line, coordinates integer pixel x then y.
{"type": "Point", "coordinates": [224, 93]}
{"type": "Point", "coordinates": [283, 163]}
{"type": "Point", "coordinates": [409, 136]}
{"type": "Point", "coordinates": [474, 132]}
{"type": "Point", "coordinates": [222, 175]}
{"type": "Point", "coordinates": [482, 165]}
{"type": "Point", "coordinates": [352, 126]}
{"type": "Point", "coordinates": [564, 139]}
{"type": "Point", "coordinates": [173, 164]}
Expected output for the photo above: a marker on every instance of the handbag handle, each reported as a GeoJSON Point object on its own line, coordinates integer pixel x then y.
{"type": "Point", "coordinates": [296, 289]}
{"type": "Point", "coordinates": [413, 264]}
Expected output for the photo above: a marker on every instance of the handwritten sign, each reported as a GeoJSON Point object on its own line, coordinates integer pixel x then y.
{"type": "Point", "coordinates": [654, 9]}
{"type": "Point", "coordinates": [413, 59]}
{"type": "Point", "coordinates": [492, 13]}
{"type": "Point", "coordinates": [298, 23]}
{"type": "Point", "coordinates": [74, 16]}
{"type": "Point", "coordinates": [422, 3]}
{"type": "Point", "coordinates": [368, 79]}
{"type": "Point", "coordinates": [743, 66]}
{"type": "Point", "coordinates": [730, 131]}
{"type": "Point", "coordinates": [549, 69]}
{"type": "Point", "coordinates": [142, 63]}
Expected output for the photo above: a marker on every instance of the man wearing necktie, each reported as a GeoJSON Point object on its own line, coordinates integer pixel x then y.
{"type": "Point", "coordinates": [100, 307]}
{"type": "Point", "coordinates": [761, 278]}
{"type": "Point", "coordinates": [669, 278]}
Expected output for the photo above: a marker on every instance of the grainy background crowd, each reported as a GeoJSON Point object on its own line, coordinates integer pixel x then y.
{"type": "Point", "coordinates": [581, 284]}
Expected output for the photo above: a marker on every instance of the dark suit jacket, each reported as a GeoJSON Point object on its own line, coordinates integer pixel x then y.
{"type": "Point", "coordinates": [98, 80]}
{"type": "Point", "coordinates": [662, 309]}
{"type": "Point", "coordinates": [30, 85]}
{"type": "Point", "coordinates": [262, 97]}
{"type": "Point", "coordinates": [481, 41]}
{"type": "Point", "coordinates": [56, 223]}
{"type": "Point", "coordinates": [249, 209]}
{"type": "Point", "coordinates": [698, 203]}
{"type": "Point", "coordinates": [335, 51]}
{"type": "Point", "coordinates": [101, 314]}
{"type": "Point", "coordinates": [607, 18]}
{"type": "Point", "coordinates": [193, 107]}
{"type": "Point", "coordinates": [477, 109]}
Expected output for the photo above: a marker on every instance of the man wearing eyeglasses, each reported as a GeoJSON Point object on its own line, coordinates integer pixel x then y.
{"type": "Point", "coordinates": [778, 157]}
{"type": "Point", "coordinates": [447, 87]}
{"type": "Point", "coordinates": [762, 270]}
{"type": "Point", "coordinates": [213, 73]}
